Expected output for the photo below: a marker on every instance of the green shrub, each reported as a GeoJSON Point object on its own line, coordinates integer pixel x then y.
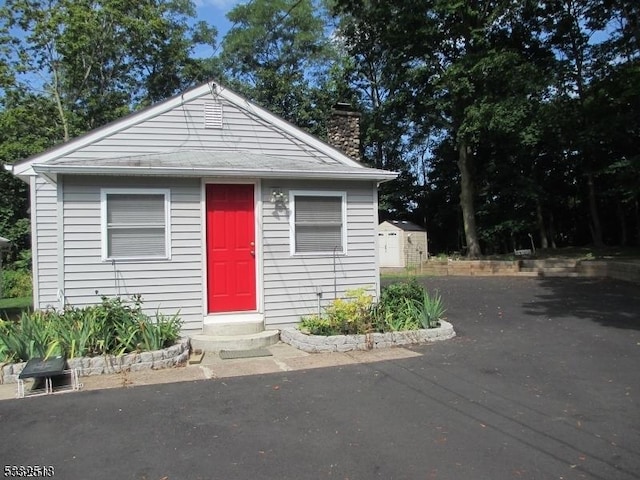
{"type": "Point", "coordinates": [32, 336]}
{"type": "Point", "coordinates": [351, 315]}
{"type": "Point", "coordinates": [16, 283]}
{"type": "Point", "coordinates": [429, 311]}
{"type": "Point", "coordinates": [395, 310]}
{"type": "Point", "coordinates": [402, 306]}
{"type": "Point", "coordinates": [111, 327]}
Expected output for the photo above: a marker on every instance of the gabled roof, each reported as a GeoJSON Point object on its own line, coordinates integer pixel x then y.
{"type": "Point", "coordinates": [199, 162]}
{"type": "Point", "coordinates": [406, 225]}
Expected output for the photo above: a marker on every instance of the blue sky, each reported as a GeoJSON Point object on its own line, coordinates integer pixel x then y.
{"type": "Point", "coordinates": [214, 12]}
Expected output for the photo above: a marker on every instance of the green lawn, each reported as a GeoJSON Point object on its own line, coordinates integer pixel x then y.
{"type": "Point", "coordinates": [12, 307]}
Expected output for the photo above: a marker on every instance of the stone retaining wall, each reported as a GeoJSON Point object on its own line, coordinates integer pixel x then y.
{"type": "Point", "coordinates": [346, 343]}
{"type": "Point", "coordinates": [130, 362]}
{"type": "Point", "coordinates": [462, 268]}
{"type": "Point", "coordinates": [628, 271]}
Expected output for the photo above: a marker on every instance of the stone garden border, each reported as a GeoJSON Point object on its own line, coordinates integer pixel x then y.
{"type": "Point", "coordinates": [131, 362]}
{"type": "Point", "coordinates": [346, 343]}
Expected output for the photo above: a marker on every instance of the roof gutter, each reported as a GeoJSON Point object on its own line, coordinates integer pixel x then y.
{"type": "Point", "coordinates": [365, 174]}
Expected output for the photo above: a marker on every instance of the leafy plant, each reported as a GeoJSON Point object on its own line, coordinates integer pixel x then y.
{"type": "Point", "coordinates": [31, 336]}
{"type": "Point", "coordinates": [392, 312]}
{"type": "Point", "coordinates": [315, 325]}
{"type": "Point", "coordinates": [351, 315]}
{"type": "Point", "coordinates": [112, 327]}
{"type": "Point", "coordinates": [429, 311]}
{"type": "Point", "coordinates": [402, 306]}
{"type": "Point", "coordinates": [16, 283]}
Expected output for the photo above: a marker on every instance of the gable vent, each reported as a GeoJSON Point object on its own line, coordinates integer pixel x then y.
{"type": "Point", "coordinates": [213, 115]}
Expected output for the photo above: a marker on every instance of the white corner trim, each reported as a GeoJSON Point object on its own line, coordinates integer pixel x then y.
{"type": "Point", "coordinates": [34, 243]}
{"type": "Point", "coordinates": [60, 242]}
{"type": "Point", "coordinates": [377, 240]}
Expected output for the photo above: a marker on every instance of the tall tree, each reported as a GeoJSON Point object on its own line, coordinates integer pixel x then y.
{"type": "Point", "coordinates": [99, 58]}
{"type": "Point", "coordinates": [25, 129]}
{"type": "Point", "coordinates": [593, 40]}
{"type": "Point", "coordinates": [277, 54]}
{"type": "Point", "coordinates": [465, 70]}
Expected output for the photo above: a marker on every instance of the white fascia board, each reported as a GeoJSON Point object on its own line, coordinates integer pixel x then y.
{"type": "Point", "coordinates": [25, 177]}
{"type": "Point", "coordinates": [364, 174]}
{"type": "Point", "coordinates": [25, 167]}
{"type": "Point", "coordinates": [288, 127]}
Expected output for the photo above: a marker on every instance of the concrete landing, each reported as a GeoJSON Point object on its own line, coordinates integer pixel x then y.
{"type": "Point", "coordinates": [215, 343]}
{"type": "Point", "coordinates": [285, 358]}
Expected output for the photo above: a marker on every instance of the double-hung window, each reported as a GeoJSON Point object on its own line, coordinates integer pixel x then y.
{"type": "Point", "coordinates": [318, 223]}
{"type": "Point", "coordinates": [135, 224]}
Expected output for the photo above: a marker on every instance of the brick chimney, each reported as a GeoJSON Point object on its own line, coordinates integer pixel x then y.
{"type": "Point", "coordinates": [343, 130]}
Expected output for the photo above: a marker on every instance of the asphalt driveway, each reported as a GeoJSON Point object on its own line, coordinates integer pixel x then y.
{"type": "Point", "coordinates": [541, 383]}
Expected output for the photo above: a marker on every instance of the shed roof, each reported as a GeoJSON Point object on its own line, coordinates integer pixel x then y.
{"type": "Point", "coordinates": [406, 225]}
{"type": "Point", "coordinates": [4, 242]}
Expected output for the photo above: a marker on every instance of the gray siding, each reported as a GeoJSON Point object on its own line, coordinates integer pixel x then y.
{"type": "Point", "coordinates": [183, 128]}
{"type": "Point", "coordinates": [45, 244]}
{"type": "Point", "coordinates": [172, 286]}
{"type": "Point", "coordinates": [291, 282]}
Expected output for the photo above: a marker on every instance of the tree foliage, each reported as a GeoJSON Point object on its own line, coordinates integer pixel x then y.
{"type": "Point", "coordinates": [97, 59]}
{"type": "Point", "coordinates": [67, 66]}
{"type": "Point", "coordinates": [510, 121]}
{"type": "Point", "coordinates": [512, 93]}
{"type": "Point", "coordinates": [277, 54]}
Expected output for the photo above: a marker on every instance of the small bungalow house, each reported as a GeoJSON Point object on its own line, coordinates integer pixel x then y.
{"type": "Point", "coordinates": [206, 204]}
{"type": "Point", "coordinates": [401, 244]}
{"type": "Point", "coordinates": [4, 243]}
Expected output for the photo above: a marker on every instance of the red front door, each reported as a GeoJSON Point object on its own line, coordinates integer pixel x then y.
{"type": "Point", "coordinates": [231, 270]}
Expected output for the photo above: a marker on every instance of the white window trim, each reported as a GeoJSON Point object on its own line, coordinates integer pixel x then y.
{"type": "Point", "coordinates": [135, 191]}
{"type": "Point", "coordinates": [292, 221]}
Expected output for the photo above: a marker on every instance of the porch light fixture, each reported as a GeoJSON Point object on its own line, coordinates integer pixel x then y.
{"type": "Point", "coordinates": [278, 196]}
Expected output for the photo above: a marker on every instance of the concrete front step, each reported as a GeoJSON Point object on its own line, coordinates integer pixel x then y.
{"type": "Point", "coordinates": [227, 329]}
{"type": "Point", "coordinates": [215, 343]}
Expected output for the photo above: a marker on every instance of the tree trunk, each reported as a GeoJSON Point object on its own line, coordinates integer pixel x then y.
{"type": "Point", "coordinates": [623, 225]}
{"type": "Point", "coordinates": [466, 200]}
{"type": "Point", "coordinates": [596, 227]}
{"type": "Point", "coordinates": [552, 231]}
{"type": "Point", "coordinates": [544, 243]}
{"type": "Point", "coordinates": [58, 100]}
{"type": "Point", "coordinates": [637, 209]}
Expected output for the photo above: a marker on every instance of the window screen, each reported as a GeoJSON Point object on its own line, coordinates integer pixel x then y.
{"type": "Point", "coordinates": [318, 224]}
{"type": "Point", "coordinates": [136, 225]}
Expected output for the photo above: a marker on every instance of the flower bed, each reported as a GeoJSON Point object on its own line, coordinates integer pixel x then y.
{"type": "Point", "coordinates": [346, 343]}
{"type": "Point", "coordinates": [131, 362]}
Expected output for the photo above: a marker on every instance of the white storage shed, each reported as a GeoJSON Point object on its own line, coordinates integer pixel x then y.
{"type": "Point", "coordinates": [401, 244]}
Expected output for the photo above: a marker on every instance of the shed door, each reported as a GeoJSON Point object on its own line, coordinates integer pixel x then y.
{"type": "Point", "coordinates": [231, 270]}
{"type": "Point", "coordinates": [389, 249]}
